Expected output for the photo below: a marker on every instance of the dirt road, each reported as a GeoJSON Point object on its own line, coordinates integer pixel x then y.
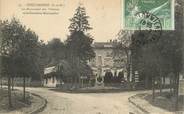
{"type": "Point", "coordinates": [86, 103]}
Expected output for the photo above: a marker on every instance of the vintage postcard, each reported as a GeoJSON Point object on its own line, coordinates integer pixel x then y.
{"type": "Point", "coordinates": [91, 57]}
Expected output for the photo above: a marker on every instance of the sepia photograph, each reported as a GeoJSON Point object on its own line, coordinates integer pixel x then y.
{"type": "Point", "coordinates": [91, 56]}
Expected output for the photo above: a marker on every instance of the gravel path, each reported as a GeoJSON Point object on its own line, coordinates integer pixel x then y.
{"type": "Point", "coordinates": [86, 103]}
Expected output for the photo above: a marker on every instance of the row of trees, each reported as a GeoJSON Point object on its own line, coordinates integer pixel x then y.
{"type": "Point", "coordinates": [19, 53]}
{"type": "Point", "coordinates": [157, 59]}
{"type": "Point", "coordinates": [163, 57]}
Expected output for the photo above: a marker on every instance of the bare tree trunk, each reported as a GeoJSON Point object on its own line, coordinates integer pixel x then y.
{"type": "Point", "coordinates": [160, 80]}
{"type": "Point", "coordinates": [76, 81]}
{"type": "Point", "coordinates": [171, 85]}
{"type": "Point", "coordinates": [177, 92]}
{"type": "Point", "coordinates": [9, 92]}
{"type": "Point", "coordinates": [146, 82]}
{"type": "Point", "coordinates": [163, 81]}
{"type": "Point", "coordinates": [69, 82]}
{"type": "Point", "coordinates": [128, 66]}
{"type": "Point", "coordinates": [24, 88]}
{"type": "Point", "coordinates": [78, 74]}
{"type": "Point", "coordinates": [12, 83]}
{"type": "Point", "coordinates": [175, 84]}
{"type": "Point", "coordinates": [72, 82]}
{"type": "Point", "coordinates": [153, 88]}
{"type": "Point", "coordinates": [133, 76]}
{"type": "Point", "coordinates": [160, 84]}
{"type": "Point", "coordinates": [133, 65]}
{"type": "Point", "coordinates": [82, 83]}
{"type": "Point", "coordinates": [1, 82]}
{"type": "Point", "coordinates": [128, 73]}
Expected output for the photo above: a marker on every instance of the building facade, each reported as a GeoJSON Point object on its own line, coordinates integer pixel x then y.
{"type": "Point", "coordinates": [50, 77]}
{"type": "Point", "coordinates": [105, 61]}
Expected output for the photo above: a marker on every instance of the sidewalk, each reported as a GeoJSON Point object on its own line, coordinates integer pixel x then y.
{"type": "Point", "coordinates": [161, 105]}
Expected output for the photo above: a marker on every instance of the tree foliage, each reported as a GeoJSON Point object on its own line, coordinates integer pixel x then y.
{"type": "Point", "coordinates": [55, 51]}
{"type": "Point", "coordinates": [21, 46]}
{"type": "Point", "coordinates": [79, 46]}
{"type": "Point", "coordinates": [160, 57]}
{"type": "Point", "coordinates": [18, 51]}
{"type": "Point", "coordinates": [79, 22]}
{"type": "Point", "coordinates": [122, 49]}
{"type": "Point", "coordinates": [79, 42]}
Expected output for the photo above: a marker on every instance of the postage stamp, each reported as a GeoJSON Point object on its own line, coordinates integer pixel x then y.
{"type": "Point", "coordinates": [162, 9]}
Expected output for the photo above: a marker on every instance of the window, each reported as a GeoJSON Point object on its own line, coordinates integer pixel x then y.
{"type": "Point", "coordinates": [108, 54]}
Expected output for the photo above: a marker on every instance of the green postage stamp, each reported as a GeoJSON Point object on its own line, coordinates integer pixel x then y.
{"type": "Point", "coordinates": [162, 9]}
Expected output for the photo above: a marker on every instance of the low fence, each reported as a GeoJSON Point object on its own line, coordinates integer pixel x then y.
{"type": "Point", "coordinates": [19, 82]}
{"type": "Point", "coordinates": [70, 85]}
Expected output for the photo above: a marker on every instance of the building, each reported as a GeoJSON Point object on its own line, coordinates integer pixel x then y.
{"type": "Point", "coordinates": [50, 79]}
{"type": "Point", "coordinates": [52, 76]}
{"type": "Point", "coordinates": [105, 61]}
{"type": "Point", "coordinates": [61, 74]}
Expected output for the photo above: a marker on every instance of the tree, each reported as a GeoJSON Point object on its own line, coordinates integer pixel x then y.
{"type": "Point", "coordinates": [55, 51]}
{"type": "Point", "coordinates": [79, 45]}
{"type": "Point", "coordinates": [123, 47]}
{"type": "Point", "coordinates": [27, 56]}
{"type": "Point", "coordinates": [1, 76]}
{"type": "Point", "coordinates": [79, 42]}
{"type": "Point", "coordinates": [21, 46]}
{"type": "Point", "coordinates": [164, 54]}
{"type": "Point", "coordinates": [8, 48]}
{"type": "Point", "coordinates": [79, 22]}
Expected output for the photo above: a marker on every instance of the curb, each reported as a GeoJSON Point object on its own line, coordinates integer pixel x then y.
{"type": "Point", "coordinates": [40, 108]}
{"type": "Point", "coordinates": [138, 106]}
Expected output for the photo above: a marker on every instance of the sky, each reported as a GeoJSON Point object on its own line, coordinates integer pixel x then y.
{"type": "Point", "coordinates": [105, 17]}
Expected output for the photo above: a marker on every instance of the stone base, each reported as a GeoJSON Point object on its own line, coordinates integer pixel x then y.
{"type": "Point", "coordinates": [99, 85]}
{"type": "Point", "coordinates": [100, 82]}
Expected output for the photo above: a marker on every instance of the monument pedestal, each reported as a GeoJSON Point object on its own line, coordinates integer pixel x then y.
{"type": "Point", "coordinates": [99, 82]}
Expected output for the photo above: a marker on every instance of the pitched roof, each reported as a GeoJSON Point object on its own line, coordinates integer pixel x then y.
{"type": "Point", "coordinates": [102, 45]}
{"type": "Point", "coordinates": [50, 70]}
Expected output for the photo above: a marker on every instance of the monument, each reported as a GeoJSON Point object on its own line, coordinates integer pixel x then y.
{"type": "Point", "coordinates": [99, 79]}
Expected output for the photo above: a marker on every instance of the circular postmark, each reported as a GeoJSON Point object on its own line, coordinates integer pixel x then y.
{"type": "Point", "coordinates": [149, 26]}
